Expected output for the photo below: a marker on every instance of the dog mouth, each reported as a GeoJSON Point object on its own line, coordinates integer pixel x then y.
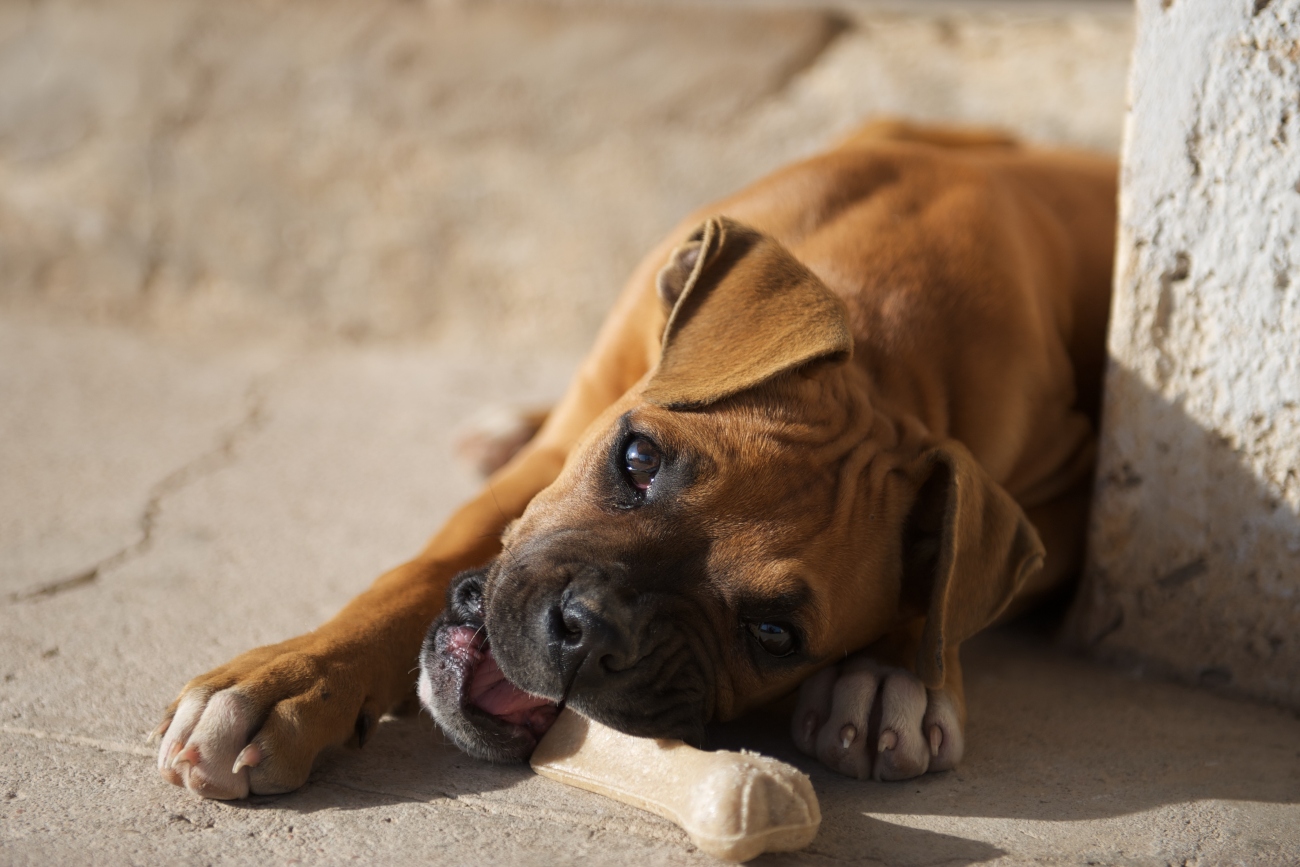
{"type": "Point", "coordinates": [470, 698]}
{"type": "Point", "coordinates": [499, 708]}
{"type": "Point", "coordinates": [485, 687]}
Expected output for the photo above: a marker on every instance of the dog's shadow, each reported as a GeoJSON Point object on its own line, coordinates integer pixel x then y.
{"type": "Point", "coordinates": [1051, 738]}
{"type": "Point", "coordinates": [407, 759]}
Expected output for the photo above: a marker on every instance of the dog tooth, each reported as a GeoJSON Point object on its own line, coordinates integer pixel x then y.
{"type": "Point", "coordinates": [888, 740]}
{"type": "Point", "coordinates": [936, 740]}
{"type": "Point", "coordinates": [847, 735]}
{"type": "Point", "coordinates": [250, 757]}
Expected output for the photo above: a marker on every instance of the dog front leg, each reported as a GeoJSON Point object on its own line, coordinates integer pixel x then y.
{"type": "Point", "coordinates": [256, 724]}
{"type": "Point", "coordinates": [871, 717]}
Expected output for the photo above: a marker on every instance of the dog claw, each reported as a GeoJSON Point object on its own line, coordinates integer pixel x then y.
{"type": "Point", "coordinates": [877, 722]}
{"type": "Point", "coordinates": [165, 760]}
{"type": "Point", "coordinates": [809, 727]}
{"type": "Point", "coordinates": [187, 756]}
{"type": "Point", "coordinates": [156, 735]}
{"type": "Point", "coordinates": [250, 757]}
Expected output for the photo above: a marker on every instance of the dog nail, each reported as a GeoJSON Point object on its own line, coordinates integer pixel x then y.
{"type": "Point", "coordinates": [165, 758]}
{"type": "Point", "coordinates": [809, 726]}
{"type": "Point", "coordinates": [847, 734]}
{"type": "Point", "coordinates": [936, 740]}
{"type": "Point", "coordinates": [888, 740]}
{"type": "Point", "coordinates": [187, 756]}
{"type": "Point", "coordinates": [250, 757]}
{"type": "Point", "coordinates": [156, 735]}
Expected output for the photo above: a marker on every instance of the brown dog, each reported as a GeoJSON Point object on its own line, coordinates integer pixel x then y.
{"type": "Point", "coordinates": [822, 440]}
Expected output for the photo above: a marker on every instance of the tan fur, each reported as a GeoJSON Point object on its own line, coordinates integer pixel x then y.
{"type": "Point", "coordinates": [967, 277]}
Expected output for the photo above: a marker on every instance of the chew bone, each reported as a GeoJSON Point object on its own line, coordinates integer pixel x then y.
{"type": "Point", "coordinates": [734, 806]}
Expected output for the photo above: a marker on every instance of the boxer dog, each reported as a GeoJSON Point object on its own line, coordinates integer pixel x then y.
{"type": "Point", "coordinates": [834, 426]}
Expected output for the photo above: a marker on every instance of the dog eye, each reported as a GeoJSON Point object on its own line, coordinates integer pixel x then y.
{"type": "Point", "coordinates": [776, 638]}
{"type": "Point", "coordinates": [641, 461]}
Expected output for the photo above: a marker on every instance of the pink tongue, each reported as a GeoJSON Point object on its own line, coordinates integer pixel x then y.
{"type": "Point", "coordinates": [490, 691]}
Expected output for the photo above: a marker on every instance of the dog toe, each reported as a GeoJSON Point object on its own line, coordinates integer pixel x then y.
{"type": "Point", "coordinates": [943, 731]}
{"type": "Point", "coordinates": [844, 742]}
{"type": "Point", "coordinates": [203, 742]}
{"type": "Point", "coordinates": [813, 707]}
{"type": "Point", "coordinates": [903, 751]}
{"type": "Point", "coordinates": [283, 756]}
{"type": "Point", "coordinates": [177, 734]}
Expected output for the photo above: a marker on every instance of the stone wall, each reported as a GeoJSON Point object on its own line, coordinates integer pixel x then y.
{"type": "Point", "coordinates": [380, 169]}
{"type": "Point", "coordinates": [1195, 549]}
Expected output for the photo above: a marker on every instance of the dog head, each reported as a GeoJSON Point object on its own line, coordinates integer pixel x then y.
{"type": "Point", "coordinates": [740, 518]}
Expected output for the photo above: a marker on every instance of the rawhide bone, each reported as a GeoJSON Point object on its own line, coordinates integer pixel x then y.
{"type": "Point", "coordinates": [734, 806]}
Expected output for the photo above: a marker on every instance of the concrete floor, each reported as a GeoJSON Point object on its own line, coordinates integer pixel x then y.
{"type": "Point", "coordinates": [232, 496]}
{"type": "Point", "coordinates": [227, 398]}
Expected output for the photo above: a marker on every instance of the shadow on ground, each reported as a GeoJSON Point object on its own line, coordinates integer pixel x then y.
{"type": "Point", "coordinates": [409, 762]}
{"type": "Point", "coordinates": [1058, 738]}
{"type": "Point", "coordinates": [1051, 738]}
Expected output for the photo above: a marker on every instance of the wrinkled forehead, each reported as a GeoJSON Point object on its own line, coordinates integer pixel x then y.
{"type": "Point", "coordinates": [752, 426]}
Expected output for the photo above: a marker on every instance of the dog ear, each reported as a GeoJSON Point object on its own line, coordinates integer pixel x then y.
{"type": "Point", "coordinates": [742, 311]}
{"type": "Point", "coordinates": [684, 265]}
{"type": "Point", "coordinates": [968, 548]}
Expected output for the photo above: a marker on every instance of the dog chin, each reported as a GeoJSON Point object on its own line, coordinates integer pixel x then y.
{"type": "Point", "coordinates": [472, 701]}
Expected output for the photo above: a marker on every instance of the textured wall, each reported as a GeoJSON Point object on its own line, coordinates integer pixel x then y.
{"type": "Point", "coordinates": [1195, 551]}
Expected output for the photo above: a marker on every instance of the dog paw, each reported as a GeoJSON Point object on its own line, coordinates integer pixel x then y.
{"type": "Point", "coordinates": [489, 439]}
{"type": "Point", "coordinates": [255, 725]}
{"type": "Point", "coordinates": [872, 721]}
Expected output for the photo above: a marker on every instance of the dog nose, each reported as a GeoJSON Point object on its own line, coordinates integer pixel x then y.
{"type": "Point", "coordinates": [591, 638]}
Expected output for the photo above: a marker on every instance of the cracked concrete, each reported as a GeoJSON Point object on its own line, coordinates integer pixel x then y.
{"type": "Point", "coordinates": [210, 461]}
{"type": "Point", "coordinates": [68, 508]}
{"type": "Point", "coordinates": [254, 271]}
